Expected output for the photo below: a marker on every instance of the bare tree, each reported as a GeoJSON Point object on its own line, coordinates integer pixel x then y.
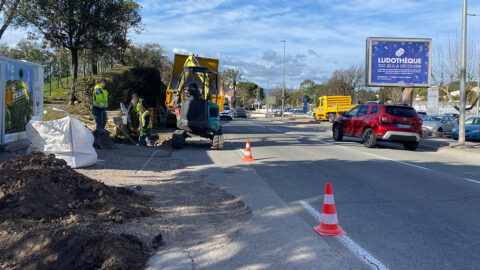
{"type": "Point", "coordinates": [446, 67]}
{"type": "Point", "coordinates": [346, 81]}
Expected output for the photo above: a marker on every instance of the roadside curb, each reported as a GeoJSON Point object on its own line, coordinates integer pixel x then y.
{"type": "Point", "coordinates": [451, 150]}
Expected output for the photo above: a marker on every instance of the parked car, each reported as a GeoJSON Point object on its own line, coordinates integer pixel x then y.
{"type": "Point", "coordinates": [293, 112]}
{"type": "Point", "coordinates": [472, 129]}
{"type": "Point", "coordinates": [227, 113]}
{"type": "Point", "coordinates": [421, 114]}
{"type": "Point", "coordinates": [380, 122]}
{"type": "Point", "coordinates": [239, 113]}
{"type": "Point", "coordinates": [455, 115]}
{"type": "Point", "coordinates": [438, 123]}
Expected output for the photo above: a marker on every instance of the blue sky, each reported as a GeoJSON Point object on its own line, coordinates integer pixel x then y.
{"type": "Point", "coordinates": [321, 35]}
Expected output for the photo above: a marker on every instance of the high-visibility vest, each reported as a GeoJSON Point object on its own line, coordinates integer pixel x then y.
{"type": "Point", "coordinates": [137, 108]}
{"type": "Point", "coordinates": [142, 123]}
{"type": "Point", "coordinates": [100, 97]}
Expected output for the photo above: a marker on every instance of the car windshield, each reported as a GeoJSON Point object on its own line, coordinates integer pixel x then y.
{"type": "Point", "coordinates": [226, 108]}
{"type": "Point", "coordinates": [432, 118]}
{"type": "Point", "coordinates": [473, 121]}
{"type": "Point", "coordinates": [401, 111]}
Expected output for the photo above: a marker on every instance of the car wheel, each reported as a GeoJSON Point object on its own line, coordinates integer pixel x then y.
{"type": "Point", "coordinates": [337, 132]}
{"type": "Point", "coordinates": [410, 146]}
{"type": "Point", "coordinates": [369, 139]}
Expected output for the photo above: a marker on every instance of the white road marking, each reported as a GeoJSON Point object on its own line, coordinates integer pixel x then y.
{"type": "Point", "coordinates": [472, 180]}
{"type": "Point", "coordinates": [333, 144]}
{"type": "Point", "coordinates": [312, 211]}
{"type": "Point", "coordinates": [401, 162]}
{"type": "Point", "coordinates": [276, 130]}
{"type": "Point", "coordinates": [146, 162]}
{"type": "Point", "coordinates": [357, 250]}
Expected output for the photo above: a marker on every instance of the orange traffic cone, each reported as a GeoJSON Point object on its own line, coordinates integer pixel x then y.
{"type": "Point", "coordinates": [329, 223]}
{"type": "Point", "coordinates": [248, 153]}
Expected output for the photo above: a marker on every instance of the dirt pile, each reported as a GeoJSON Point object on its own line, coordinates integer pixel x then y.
{"type": "Point", "coordinates": [163, 138]}
{"type": "Point", "coordinates": [50, 214]}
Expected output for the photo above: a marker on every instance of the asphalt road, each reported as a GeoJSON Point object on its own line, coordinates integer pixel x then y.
{"type": "Point", "coordinates": [409, 210]}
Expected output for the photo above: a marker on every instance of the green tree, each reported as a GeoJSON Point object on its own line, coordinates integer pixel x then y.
{"type": "Point", "coordinates": [73, 24]}
{"type": "Point", "coordinates": [30, 51]}
{"type": "Point", "coordinates": [9, 12]}
{"type": "Point", "coordinates": [130, 21]}
{"type": "Point", "coordinates": [247, 91]}
{"type": "Point", "coordinates": [150, 55]}
{"type": "Point", "coordinates": [366, 95]}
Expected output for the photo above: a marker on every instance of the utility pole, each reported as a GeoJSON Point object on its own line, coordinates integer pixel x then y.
{"type": "Point", "coordinates": [478, 82]}
{"type": "Point", "coordinates": [283, 85]}
{"type": "Point", "coordinates": [463, 63]}
{"type": "Point", "coordinates": [267, 67]}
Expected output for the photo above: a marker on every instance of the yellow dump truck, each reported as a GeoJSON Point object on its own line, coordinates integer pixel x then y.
{"type": "Point", "coordinates": [329, 107]}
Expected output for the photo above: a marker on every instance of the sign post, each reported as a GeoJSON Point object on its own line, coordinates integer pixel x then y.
{"type": "Point", "coordinates": [432, 101]}
{"type": "Point", "coordinates": [305, 100]}
{"type": "Point", "coordinates": [271, 100]}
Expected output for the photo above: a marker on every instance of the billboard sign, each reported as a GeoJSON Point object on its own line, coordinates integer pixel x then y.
{"type": "Point", "coordinates": [399, 62]}
{"type": "Point", "coordinates": [271, 100]}
{"type": "Point", "coordinates": [21, 98]}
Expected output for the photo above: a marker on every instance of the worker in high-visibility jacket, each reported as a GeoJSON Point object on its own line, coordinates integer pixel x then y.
{"type": "Point", "coordinates": [135, 103]}
{"type": "Point", "coordinates": [134, 111]}
{"type": "Point", "coordinates": [145, 126]}
{"type": "Point", "coordinates": [100, 104]}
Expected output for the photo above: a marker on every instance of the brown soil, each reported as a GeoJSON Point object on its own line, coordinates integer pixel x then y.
{"type": "Point", "coordinates": [163, 138]}
{"type": "Point", "coordinates": [53, 217]}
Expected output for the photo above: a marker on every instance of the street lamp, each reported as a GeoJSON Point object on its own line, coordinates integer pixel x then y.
{"type": "Point", "coordinates": [478, 84]}
{"type": "Point", "coordinates": [283, 85]}
{"type": "Point", "coordinates": [463, 94]}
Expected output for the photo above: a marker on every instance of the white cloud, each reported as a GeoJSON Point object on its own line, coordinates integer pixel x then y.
{"type": "Point", "coordinates": [180, 51]}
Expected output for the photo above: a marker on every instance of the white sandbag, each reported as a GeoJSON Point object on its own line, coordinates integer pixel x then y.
{"type": "Point", "coordinates": [67, 138]}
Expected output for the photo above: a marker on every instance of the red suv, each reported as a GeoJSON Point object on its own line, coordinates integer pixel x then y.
{"type": "Point", "coordinates": [380, 122]}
